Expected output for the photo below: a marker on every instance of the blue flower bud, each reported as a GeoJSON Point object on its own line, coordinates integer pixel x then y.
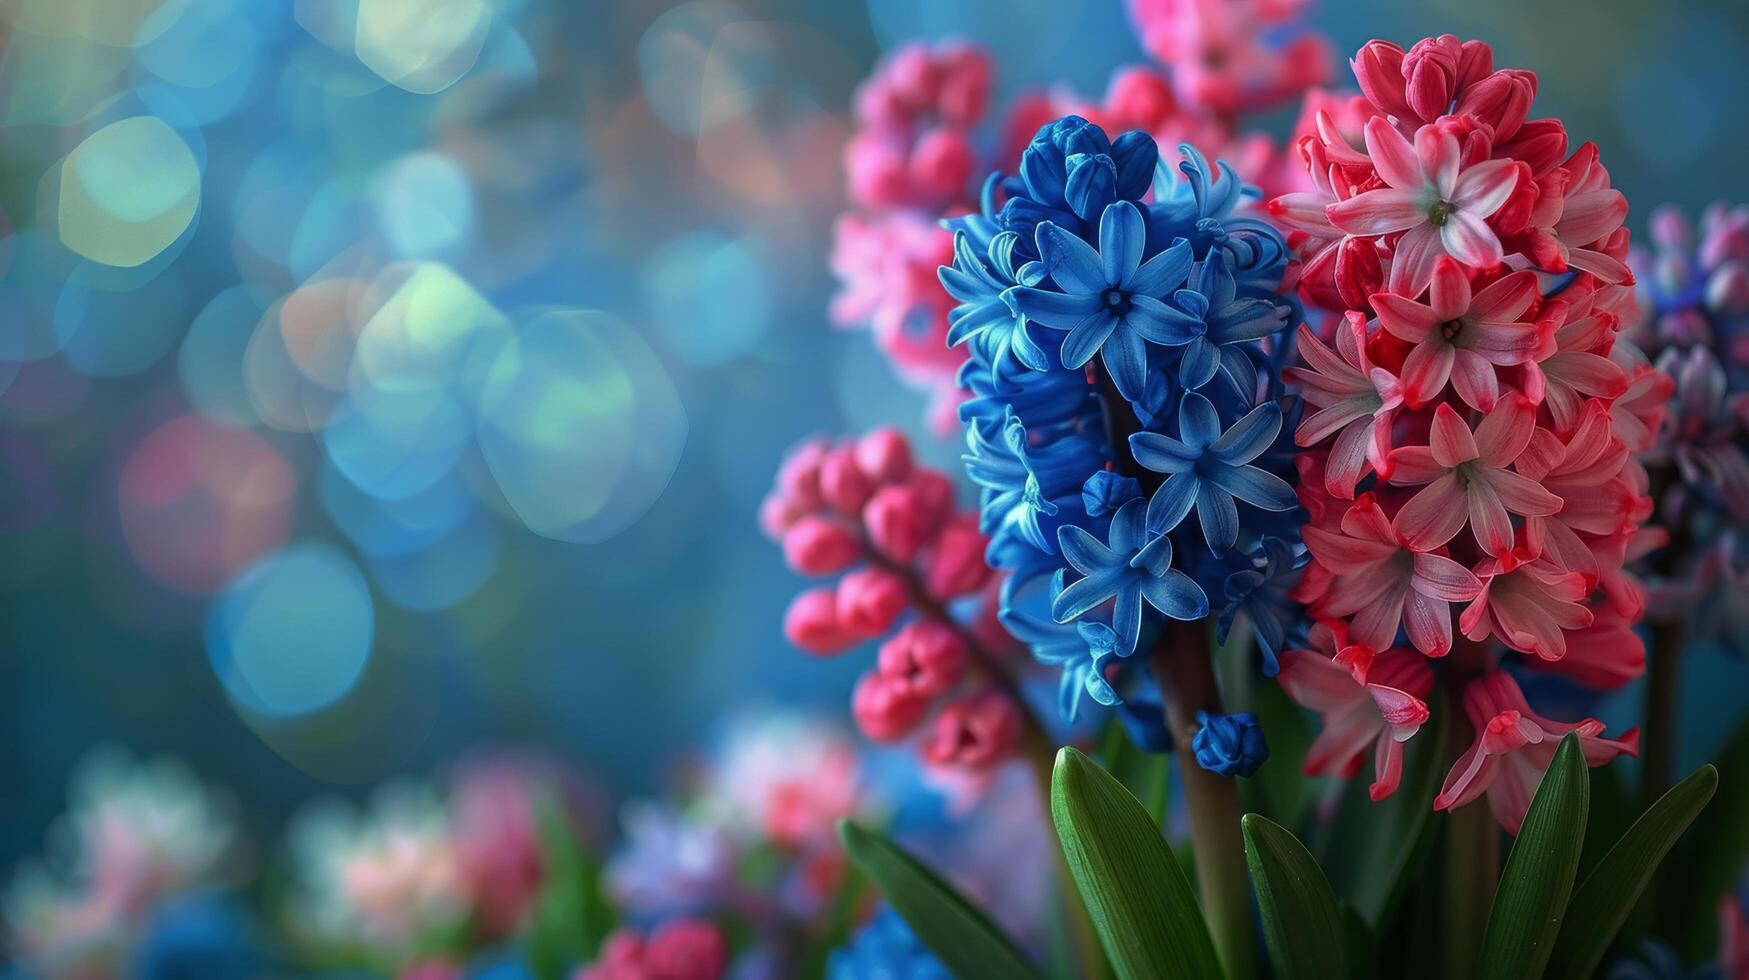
{"type": "Point", "coordinates": [1229, 745]}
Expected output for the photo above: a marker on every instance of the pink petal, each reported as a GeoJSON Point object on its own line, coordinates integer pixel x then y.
{"type": "Point", "coordinates": [1377, 212]}
{"type": "Point", "coordinates": [1387, 765]}
{"type": "Point", "coordinates": [1433, 516]}
{"type": "Point", "coordinates": [1450, 438]}
{"type": "Point", "coordinates": [1470, 777]}
{"type": "Point", "coordinates": [1449, 293]}
{"type": "Point", "coordinates": [1522, 495]}
{"type": "Point", "coordinates": [1428, 623]}
{"type": "Point", "coordinates": [1413, 465]}
{"type": "Point", "coordinates": [1587, 217]}
{"type": "Point", "coordinates": [1483, 188]}
{"type": "Point", "coordinates": [1375, 624]}
{"type": "Point", "coordinates": [1347, 461]}
{"type": "Point", "coordinates": [1475, 381]}
{"type": "Point", "coordinates": [1404, 318]}
{"type": "Point", "coordinates": [1442, 578]}
{"type": "Point", "coordinates": [1489, 521]}
{"type": "Point", "coordinates": [1426, 370]}
{"type": "Point", "coordinates": [1506, 299]}
{"type": "Point", "coordinates": [1342, 553]}
{"type": "Point", "coordinates": [1440, 159]}
{"type": "Point", "coordinates": [1505, 432]}
{"type": "Point", "coordinates": [1392, 156]}
{"type": "Point", "coordinates": [1303, 210]}
{"type": "Point", "coordinates": [1412, 262]}
{"type": "Point", "coordinates": [1316, 682]}
{"type": "Point", "coordinates": [1466, 237]}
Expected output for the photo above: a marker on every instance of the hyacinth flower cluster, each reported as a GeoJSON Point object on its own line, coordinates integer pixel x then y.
{"type": "Point", "coordinates": [1694, 287]}
{"type": "Point", "coordinates": [1123, 424]}
{"type": "Point", "coordinates": [907, 561]}
{"type": "Point", "coordinates": [1466, 463]}
{"type": "Point", "coordinates": [910, 162]}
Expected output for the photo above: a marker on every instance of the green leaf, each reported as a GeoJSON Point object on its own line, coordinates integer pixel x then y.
{"type": "Point", "coordinates": [1532, 897]}
{"type": "Point", "coordinates": [1301, 922]}
{"type": "Point", "coordinates": [571, 915]}
{"type": "Point", "coordinates": [959, 935]}
{"type": "Point", "coordinates": [1141, 903]}
{"type": "Point", "coordinates": [1608, 894]}
{"type": "Point", "coordinates": [1371, 852]}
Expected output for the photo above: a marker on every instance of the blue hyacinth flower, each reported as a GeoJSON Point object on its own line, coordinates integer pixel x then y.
{"type": "Point", "coordinates": [1216, 321]}
{"type": "Point", "coordinates": [1109, 301]}
{"type": "Point", "coordinates": [1128, 568]}
{"type": "Point", "coordinates": [982, 315]}
{"type": "Point", "coordinates": [1207, 469]}
{"type": "Point", "coordinates": [1260, 594]}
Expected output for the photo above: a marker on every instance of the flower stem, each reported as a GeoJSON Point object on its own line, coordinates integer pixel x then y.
{"type": "Point", "coordinates": [1187, 685]}
{"type": "Point", "coordinates": [1663, 692]}
{"type": "Point", "coordinates": [1472, 839]}
{"type": "Point", "coordinates": [1472, 870]}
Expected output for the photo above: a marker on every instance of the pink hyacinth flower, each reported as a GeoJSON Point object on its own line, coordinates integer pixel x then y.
{"type": "Point", "coordinates": [1585, 472]}
{"type": "Point", "coordinates": [1382, 582]}
{"type": "Point", "coordinates": [1356, 400]}
{"type": "Point", "coordinates": [1461, 336]}
{"type": "Point", "coordinates": [1467, 476]}
{"type": "Point", "coordinates": [1513, 748]}
{"type": "Point", "coordinates": [1441, 206]}
{"type": "Point", "coordinates": [1384, 712]}
{"type": "Point", "coordinates": [1529, 607]}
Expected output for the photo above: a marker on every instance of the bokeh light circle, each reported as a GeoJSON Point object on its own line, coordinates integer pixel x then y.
{"type": "Point", "coordinates": [708, 297]}
{"type": "Point", "coordinates": [128, 192]}
{"type": "Point", "coordinates": [294, 632]}
{"type": "Point", "coordinates": [580, 425]}
{"type": "Point", "coordinates": [199, 501]}
{"type": "Point", "coordinates": [426, 207]}
{"type": "Point", "coordinates": [422, 46]}
{"type": "Point", "coordinates": [210, 362]}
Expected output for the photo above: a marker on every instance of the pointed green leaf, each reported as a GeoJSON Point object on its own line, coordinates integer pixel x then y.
{"type": "Point", "coordinates": [959, 935]}
{"type": "Point", "coordinates": [1532, 897]}
{"type": "Point", "coordinates": [1141, 903]}
{"type": "Point", "coordinates": [1301, 922]}
{"type": "Point", "coordinates": [1608, 894]}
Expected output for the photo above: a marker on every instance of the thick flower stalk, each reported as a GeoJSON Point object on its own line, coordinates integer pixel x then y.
{"type": "Point", "coordinates": [1693, 404]}
{"type": "Point", "coordinates": [905, 559]}
{"type": "Point", "coordinates": [1124, 329]}
{"type": "Point", "coordinates": [1466, 453]}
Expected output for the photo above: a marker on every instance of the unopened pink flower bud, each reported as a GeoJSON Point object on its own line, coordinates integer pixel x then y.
{"type": "Point", "coordinates": [876, 168]}
{"type": "Point", "coordinates": [1430, 75]}
{"type": "Point", "coordinates": [957, 565]}
{"type": "Point", "coordinates": [941, 164]}
{"type": "Point", "coordinates": [1142, 95]}
{"type": "Point", "coordinates": [927, 657]}
{"type": "Point", "coordinates": [965, 84]}
{"type": "Point", "coordinates": [886, 708]}
{"type": "Point", "coordinates": [1727, 289]}
{"type": "Point", "coordinates": [976, 731]}
{"type": "Point", "coordinates": [1359, 273]}
{"type": "Point", "coordinates": [885, 455]}
{"type": "Point", "coordinates": [816, 545]}
{"type": "Point", "coordinates": [1378, 68]}
{"type": "Point", "coordinates": [776, 513]}
{"type": "Point", "coordinates": [936, 492]}
{"type": "Point", "coordinates": [898, 521]}
{"type": "Point", "coordinates": [870, 600]}
{"type": "Point", "coordinates": [798, 479]}
{"type": "Point", "coordinates": [811, 623]}
{"type": "Point", "coordinates": [843, 484]}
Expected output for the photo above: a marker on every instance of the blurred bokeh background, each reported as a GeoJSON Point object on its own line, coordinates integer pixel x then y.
{"type": "Point", "coordinates": [380, 378]}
